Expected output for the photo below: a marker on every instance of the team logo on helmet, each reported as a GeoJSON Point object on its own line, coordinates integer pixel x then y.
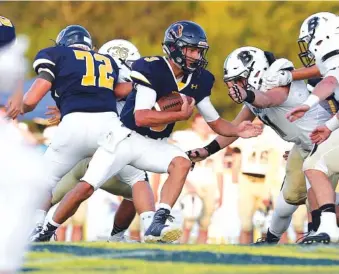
{"type": "Point", "coordinates": [312, 23]}
{"type": "Point", "coordinates": [245, 57]}
{"type": "Point", "coordinates": [175, 32]}
{"type": "Point", "coordinates": [119, 52]}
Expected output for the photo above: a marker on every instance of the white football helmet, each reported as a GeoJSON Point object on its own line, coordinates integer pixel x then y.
{"type": "Point", "coordinates": [307, 30]}
{"type": "Point", "coordinates": [124, 54]}
{"type": "Point", "coordinates": [247, 63]}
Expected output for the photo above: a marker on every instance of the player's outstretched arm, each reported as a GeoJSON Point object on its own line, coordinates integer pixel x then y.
{"type": "Point", "coordinates": [220, 142]}
{"type": "Point", "coordinates": [34, 95]}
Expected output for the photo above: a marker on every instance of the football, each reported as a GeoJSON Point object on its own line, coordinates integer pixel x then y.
{"type": "Point", "coordinates": [171, 102]}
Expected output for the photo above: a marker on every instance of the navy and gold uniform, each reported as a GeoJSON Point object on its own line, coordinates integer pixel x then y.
{"type": "Point", "coordinates": [83, 81]}
{"type": "Point", "coordinates": [155, 73]}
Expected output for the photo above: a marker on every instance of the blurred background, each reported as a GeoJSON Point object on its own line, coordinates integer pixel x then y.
{"type": "Point", "coordinates": [220, 204]}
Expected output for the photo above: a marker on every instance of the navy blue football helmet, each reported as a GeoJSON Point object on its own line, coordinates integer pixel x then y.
{"type": "Point", "coordinates": [74, 34]}
{"type": "Point", "coordinates": [7, 31]}
{"type": "Point", "coordinates": [183, 34]}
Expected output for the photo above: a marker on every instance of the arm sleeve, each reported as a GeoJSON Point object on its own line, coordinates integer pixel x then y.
{"type": "Point", "coordinates": [145, 98]}
{"type": "Point", "coordinates": [45, 61]}
{"type": "Point", "coordinates": [207, 110]}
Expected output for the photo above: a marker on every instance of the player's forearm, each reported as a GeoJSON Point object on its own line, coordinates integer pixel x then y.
{"type": "Point", "coordinates": [27, 108]}
{"type": "Point", "coordinates": [305, 73]}
{"type": "Point", "coordinates": [224, 128]}
{"type": "Point", "coordinates": [324, 89]}
{"type": "Point", "coordinates": [151, 118]}
{"type": "Point", "coordinates": [271, 98]}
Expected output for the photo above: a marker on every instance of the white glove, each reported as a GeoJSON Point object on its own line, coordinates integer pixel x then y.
{"type": "Point", "coordinates": [277, 79]}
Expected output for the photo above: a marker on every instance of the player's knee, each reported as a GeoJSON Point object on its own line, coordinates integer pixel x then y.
{"type": "Point", "coordinates": [83, 190]}
{"type": "Point", "coordinates": [295, 198]}
{"type": "Point", "coordinates": [181, 164]}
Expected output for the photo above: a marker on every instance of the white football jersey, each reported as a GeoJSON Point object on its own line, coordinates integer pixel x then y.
{"type": "Point", "coordinates": [297, 132]}
{"type": "Point", "coordinates": [12, 65]}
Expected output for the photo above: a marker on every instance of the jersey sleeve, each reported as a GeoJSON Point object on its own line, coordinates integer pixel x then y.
{"type": "Point", "coordinates": [207, 110]}
{"type": "Point", "coordinates": [206, 84]}
{"type": "Point", "coordinates": [46, 60]}
{"type": "Point", "coordinates": [143, 72]}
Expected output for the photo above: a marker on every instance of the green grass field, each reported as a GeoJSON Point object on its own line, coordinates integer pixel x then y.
{"type": "Point", "coordinates": [165, 259]}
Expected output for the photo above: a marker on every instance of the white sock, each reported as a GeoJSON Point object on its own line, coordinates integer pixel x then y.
{"type": "Point", "coordinates": [282, 216]}
{"type": "Point", "coordinates": [165, 206]}
{"type": "Point", "coordinates": [40, 216]}
{"type": "Point", "coordinates": [147, 218]}
{"type": "Point", "coordinates": [53, 223]}
{"type": "Point", "coordinates": [328, 223]}
{"type": "Point", "coordinates": [337, 198]}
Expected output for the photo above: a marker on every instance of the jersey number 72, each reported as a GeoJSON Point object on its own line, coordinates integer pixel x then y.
{"type": "Point", "coordinates": [105, 68]}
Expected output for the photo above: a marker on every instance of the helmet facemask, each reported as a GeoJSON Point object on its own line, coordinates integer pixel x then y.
{"type": "Point", "coordinates": [306, 57]}
{"type": "Point", "coordinates": [241, 79]}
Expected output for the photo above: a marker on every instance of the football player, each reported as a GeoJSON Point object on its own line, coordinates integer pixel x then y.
{"type": "Point", "coordinates": [21, 166]}
{"type": "Point", "coordinates": [322, 45]}
{"type": "Point", "coordinates": [82, 84]}
{"type": "Point", "coordinates": [244, 71]}
{"type": "Point", "coordinates": [312, 69]}
{"type": "Point", "coordinates": [141, 142]}
{"type": "Point", "coordinates": [125, 53]}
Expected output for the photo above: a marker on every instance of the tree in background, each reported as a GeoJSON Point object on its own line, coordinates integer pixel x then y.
{"type": "Point", "coordinates": [272, 26]}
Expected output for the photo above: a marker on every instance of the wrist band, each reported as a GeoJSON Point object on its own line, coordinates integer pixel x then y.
{"type": "Point", "coordinates": [212, 147]}
{"type": "Point", "coordinates": [250, 96]}
{"type": "Point", "coordinates": [333, 123]}
{"type": "Point", "coordinates": [312, 101]}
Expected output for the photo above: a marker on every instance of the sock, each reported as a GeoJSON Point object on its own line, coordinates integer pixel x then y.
{"type": "Point", "coordinates": [337, 198]}
{"type": "Point", "coordinates": [165, 206]}
{"type": "Point", "coordinates": [116, 229]}
{"type": "Point", "coordinates": [147, 218]}
{"type": "Point", "coordinates": [328, 224]}
{"type": "Point", "coordinates": [282, 216]}
{"type": "Point", "coordinates": [316, 219]}
{"type": "Point", "coordinates": [327, 208]}
{"type": "Point", "coordinates": [40, 216]}
{"type": "Point", "coordinates": [309, 227]}
{"type": "Point", "coordinates": [51, 225]}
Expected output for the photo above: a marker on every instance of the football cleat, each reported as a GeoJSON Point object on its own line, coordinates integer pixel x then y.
{"type": "Point", "coordinates": [321, 238]}
{"type": "Point", "coordinates": [36, 230]}
{"type": "Point", "coordinates": [266, 241]}
{"type": "Point", "coordinates": [43, 236]}
{"type": "Point", "coordinates": [159, 232]}
{"type": "Point", "coordinates": [269, 240]}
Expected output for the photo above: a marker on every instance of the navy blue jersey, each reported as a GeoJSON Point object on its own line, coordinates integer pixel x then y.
{"type": "Point", "coordinates": [154, 72]}
{"type": "Point", "coordinates": [83, 80]}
